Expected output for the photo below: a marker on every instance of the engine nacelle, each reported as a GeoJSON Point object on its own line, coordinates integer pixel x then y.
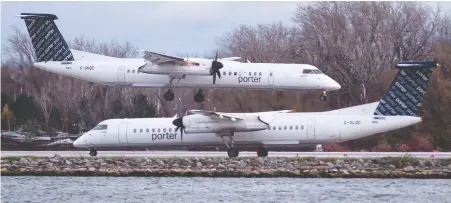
{"type": "Point", "coordinates": [208, 125]}
{"type": "Point", "coordinates": [200, 69]}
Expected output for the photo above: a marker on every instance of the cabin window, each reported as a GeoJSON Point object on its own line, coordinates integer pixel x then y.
{"type": "Point", "coordinates": [133, 71]}
{"type": "Point", "coordinates": [147, 130]}
{"type": "Point", "coordinates": [255, 73]}
{"type": "Point", "coordinates": [164, 129]}
{"type": "Point", "coordinates": [230, 73]}
{"type": "Point", "coordinates": [100, 127]}
{"type": "Point", "coordinates": [170, 129]}
{"type": "Point", "coordinates": [307, 71]}
{"type": "Point", "coordinates": [285, 127]}
{"type": "Point", "coordinates": [260, 74]}
{"type": "Point", "coordinates": [274, 128]}
{"type": "Point", "coordinates": [234, 73]}
{"type": "Point", "coordinates": [140, 130]}
{"type": "Point", "coordinates": [224, 73]}
{"type": "Point", "coordinates": [269, 127]}
{"type": "Point", "coordinates": [250, 74]}
{"type": "Point", "coordinates": [270, 74]}
{"type": "Point", "coordinates": [296, 127]}
{"type": "Point", "coordinates": [134, 130]}
{"type": "Point", "coordinates": [128, 71]}
{"type": "Point", "coordinates": [158, 130]}
{"type": "Point", "coordinates": [280, 127]}
{"type": "Point", "coordinates": [302, 127]}
{"type": "Point", "coordinates": [153, 130]}
{"type": "Point", "coordinates": [291, 127]}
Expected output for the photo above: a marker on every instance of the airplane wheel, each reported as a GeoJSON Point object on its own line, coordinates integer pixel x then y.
{"type": "Point", "coordinates": [233, 152]}
{"type": "Point", "coordinates": [93, 152]}
{"type": "Point", "coordinates": [168, 96]}
{"type": "Point", "coordinates": [199, 98]}
{"type": "Point", "coordinates": [323, 97]}
{"type": "Point", "coordinates": [262, 152]}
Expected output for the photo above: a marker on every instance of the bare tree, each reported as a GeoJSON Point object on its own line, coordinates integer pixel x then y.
{"type": "Point", "coordinates": [18, 50]}
{"type": "Point", "coordinates": [355, 41]}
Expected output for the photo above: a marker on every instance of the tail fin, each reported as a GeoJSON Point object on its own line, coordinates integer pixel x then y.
{"type": "Point", "coordinates": [48, 42]}
{"type": "Point", "coordinates": [406, 93]}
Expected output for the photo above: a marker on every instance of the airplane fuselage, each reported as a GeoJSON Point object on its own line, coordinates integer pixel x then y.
{"type": "Point", "coordinates": [303, 129]}
{"type": "Point", "coordinates": [124, 72]}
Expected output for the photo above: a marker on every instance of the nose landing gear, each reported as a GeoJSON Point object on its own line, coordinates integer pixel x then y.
{"type": "Point", "coordinates": [323, 96]}
{"type": "Point", "coordinates": [93, 152]}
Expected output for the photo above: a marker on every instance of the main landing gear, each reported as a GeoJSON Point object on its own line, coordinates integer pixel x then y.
{"type": "Point", "coordinates": [231, 150]}
{"type": "Point", "coordinates": [262, 151]}
{"type": "Point", "coordinates": [234, 152]}
{"type": "Point", "coordinates": [169, 95]}
{"type": "Point", "coordinates": [323, 96]}
{"type": "Point", "coordinates": [199, 96]}
{"type": "Point", "coordinates": [92, 152]}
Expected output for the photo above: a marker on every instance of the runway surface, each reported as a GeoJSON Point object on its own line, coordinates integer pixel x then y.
{"type": "Point", "coordinates": [162, 154]}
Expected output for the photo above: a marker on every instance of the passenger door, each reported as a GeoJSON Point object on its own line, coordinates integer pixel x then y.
{"type": "Point", "coordinates": [311, 129]}
{"type": "Point", "coordinates": [271, 79]}
{"type": "Point", "coordinates": [122, 133]}
{"type": "Point", "coordinates": [121, 74]}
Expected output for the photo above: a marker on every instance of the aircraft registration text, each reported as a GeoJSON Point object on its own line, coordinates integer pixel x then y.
{"type": "Point", "coordinates": [352, 122]}
{"type": "Point", "coordinates": [86, 67]}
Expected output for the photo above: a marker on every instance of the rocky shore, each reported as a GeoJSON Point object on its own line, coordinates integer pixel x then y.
{"type": "Point", "coordinates": [228, 167]}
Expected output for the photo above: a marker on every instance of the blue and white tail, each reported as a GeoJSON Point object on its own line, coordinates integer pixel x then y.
{"type": "Point", "coordinates": [48, 42]}
{"type": "Point", "coordinates": [406, 93]}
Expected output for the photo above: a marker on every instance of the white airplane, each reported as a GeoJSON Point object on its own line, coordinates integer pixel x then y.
{"type": "Point", "coordinates": [158, 70]}
{"type": "Point", "coordinates": [397, 109]}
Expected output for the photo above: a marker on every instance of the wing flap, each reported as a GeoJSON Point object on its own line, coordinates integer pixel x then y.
{"type": "Point", "coordinates": [217, 114]}
{"type": "Point", "coordinates": [161, 59]}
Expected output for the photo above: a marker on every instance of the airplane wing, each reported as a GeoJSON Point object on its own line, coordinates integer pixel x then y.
{"type": "Point", "coordinates": [161, 59]}
{"type": "Point", "coordinates": [233, 58]}
{"type": "Point", "coordinates": [280, 111]}
{"type": "Point", "coordinates": [217, 114]}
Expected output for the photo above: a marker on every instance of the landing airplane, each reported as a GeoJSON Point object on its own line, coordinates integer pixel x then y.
{"type": "Point", "coordinates": [397, 109]}
{"type": "Point", "coordinates": [159, 70]}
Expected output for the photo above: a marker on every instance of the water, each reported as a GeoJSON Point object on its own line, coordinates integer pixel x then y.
{"type": "Point", "coordinates": [171, 190]}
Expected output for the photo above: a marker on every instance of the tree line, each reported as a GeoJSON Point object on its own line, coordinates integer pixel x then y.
{"type": "Point", "coordinates": [356, 43]}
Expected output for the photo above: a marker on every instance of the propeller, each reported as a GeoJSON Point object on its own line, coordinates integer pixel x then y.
{"type": "Point", "coordinates": [215, 66]}
{"type": "Point", "coordinates": [179, 123]}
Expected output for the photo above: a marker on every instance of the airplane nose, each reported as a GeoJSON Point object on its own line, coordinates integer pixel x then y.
{"type": "Point", "coordinates": [78, 142]}
{"type": "Point", "coordinates": [335, 85]}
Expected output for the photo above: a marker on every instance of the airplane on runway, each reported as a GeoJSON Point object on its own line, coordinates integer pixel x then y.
{"type": "Point", "coordinates": [159, 70]}
{"type": "Point", "coordinates": [397, 109]}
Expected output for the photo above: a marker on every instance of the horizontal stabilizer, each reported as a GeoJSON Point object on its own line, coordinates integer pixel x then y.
{"type": "Point", "coordinates": [416, 64]}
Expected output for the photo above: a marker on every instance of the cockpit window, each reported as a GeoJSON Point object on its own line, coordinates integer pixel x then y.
{"type": "Point", "coordinates": [100, 127]}
{"type": "Point", "coordinates": [317, 71]}
{"type": "Point", "coordinates": [312, 71]}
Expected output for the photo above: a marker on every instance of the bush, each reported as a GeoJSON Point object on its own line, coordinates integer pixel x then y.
{"type": "Point", "coordinates": [383, 147]}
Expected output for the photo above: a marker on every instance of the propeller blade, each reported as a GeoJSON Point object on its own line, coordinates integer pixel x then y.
{"type": "Point", "coordinates": [181, 133]}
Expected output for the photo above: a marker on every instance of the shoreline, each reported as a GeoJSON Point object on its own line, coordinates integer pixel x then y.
{"type": "Point", "coordinates": [245, 167]}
